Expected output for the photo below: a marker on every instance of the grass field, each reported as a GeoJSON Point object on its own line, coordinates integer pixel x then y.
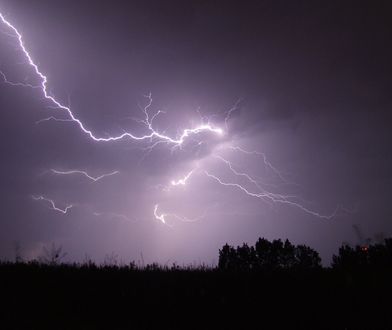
{"type": "Point", "coordinates": [87, 296]}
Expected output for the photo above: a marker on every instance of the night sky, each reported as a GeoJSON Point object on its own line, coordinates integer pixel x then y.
{"type": "Point", "coordinates": [306, 83]}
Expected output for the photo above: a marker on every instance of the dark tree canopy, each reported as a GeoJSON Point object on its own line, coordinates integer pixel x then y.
{"type": "Point", "coordinates": [266, 255]}
{"type": "Point", "coordinates": [364, 256]}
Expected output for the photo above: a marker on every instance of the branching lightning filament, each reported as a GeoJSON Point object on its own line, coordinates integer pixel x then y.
{"type": "Point", "coordinates": [84, 173]}
{"type": "Point", "coordinates": [52, 204]}
{"type": "Point", "coordinates": [182, 181]}
{"type": "Point", "coordinates": [154, 138]}
{"type": "Point", "coordinates": [153, 134]}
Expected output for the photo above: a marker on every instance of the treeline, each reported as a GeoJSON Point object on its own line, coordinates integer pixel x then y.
{"type": "Point", "coordinates": [266, 255]}
{"type": "Point", "coordinates": [272, 282]}
{"type": "Point", "coordinates": [364, 256]}
{"type": "Point", "coordinates": [279, 255]}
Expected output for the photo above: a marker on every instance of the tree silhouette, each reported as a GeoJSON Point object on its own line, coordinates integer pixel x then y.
{"type": "Point", "coordinates": [266, 255]}
{"type": "Point", "coordinates": [361, 257]}
{"type": "Point", "coordinates": [227, 257]}
{"type": "Point", "coordinates": [245, 257]}
{"type": "Point", "coordinates": [263, 253]}
{"type": "Point", "coordinates": [307, 258]}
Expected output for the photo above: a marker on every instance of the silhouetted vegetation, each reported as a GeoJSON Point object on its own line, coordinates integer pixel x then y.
{"type": "Point", "coordinates": [269, 285]}
{"type": "Point", "coordinates": [266, 255]}
{"type": "Point", "coordinates": [364, 257]}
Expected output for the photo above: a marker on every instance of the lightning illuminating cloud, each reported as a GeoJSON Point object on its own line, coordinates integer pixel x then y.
{"type": "Point", "coordinates": [154, 138]}
{"type": "Point", "coordinates": [179, 140]}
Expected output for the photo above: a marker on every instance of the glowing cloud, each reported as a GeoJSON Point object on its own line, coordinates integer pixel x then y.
{"type": "Point", "coordinates": [155, 138]}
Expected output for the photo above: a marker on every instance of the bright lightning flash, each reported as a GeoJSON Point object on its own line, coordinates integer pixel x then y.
{"type": "Point", "coordinates": [159, 217]}
{"type": "Point", "coordinates": [177, 141]}
{"type": "Point", "coordinates": [182, 181]}
{"type": "Point", "coordinates": [154, 138]}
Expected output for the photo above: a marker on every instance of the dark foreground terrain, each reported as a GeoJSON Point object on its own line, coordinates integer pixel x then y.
{"type": "Point", "coordinates": [37, 296]}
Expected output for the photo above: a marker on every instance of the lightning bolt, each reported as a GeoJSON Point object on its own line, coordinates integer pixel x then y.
{"type": "Point", "coordinates": [16, 84]}
{"type": "Point", "coordinates": [237, 173]}
{"type": "Point", "coordinates": [275, 198]}
{"type": "Point", "coordinates": [182, 181]}
{"type": "Point", "coordinates": [159, 217]}
{"type": "Point", "coordinates": [267, 164]}
{"type": "Point", "coordinates": [95, 179]}
{"type": "Point", "coordinates": [230, 111]}
{"type": "Point", "coordinates": [163, 216]}
{"type": "Point", "coordinates": [178, 141]}
{"type": "Point", "coordinates": [52, 204]}
{"type": "Point", "coordinates": [52, 118]}
{"type": "Point", "coordinates": [251, 179]}
{"type": "Point", "coordinates": [155, 138]}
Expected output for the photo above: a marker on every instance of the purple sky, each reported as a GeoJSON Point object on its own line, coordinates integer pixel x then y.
{"type": "Point", "coordinates": [312, 88]}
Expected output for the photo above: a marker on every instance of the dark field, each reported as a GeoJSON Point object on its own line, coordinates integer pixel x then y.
{"type": "Point", "coordinates": [37, 296]}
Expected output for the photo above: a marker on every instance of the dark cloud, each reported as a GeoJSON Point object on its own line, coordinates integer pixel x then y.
{"type": "Point", "coordinates": [313, 81]}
